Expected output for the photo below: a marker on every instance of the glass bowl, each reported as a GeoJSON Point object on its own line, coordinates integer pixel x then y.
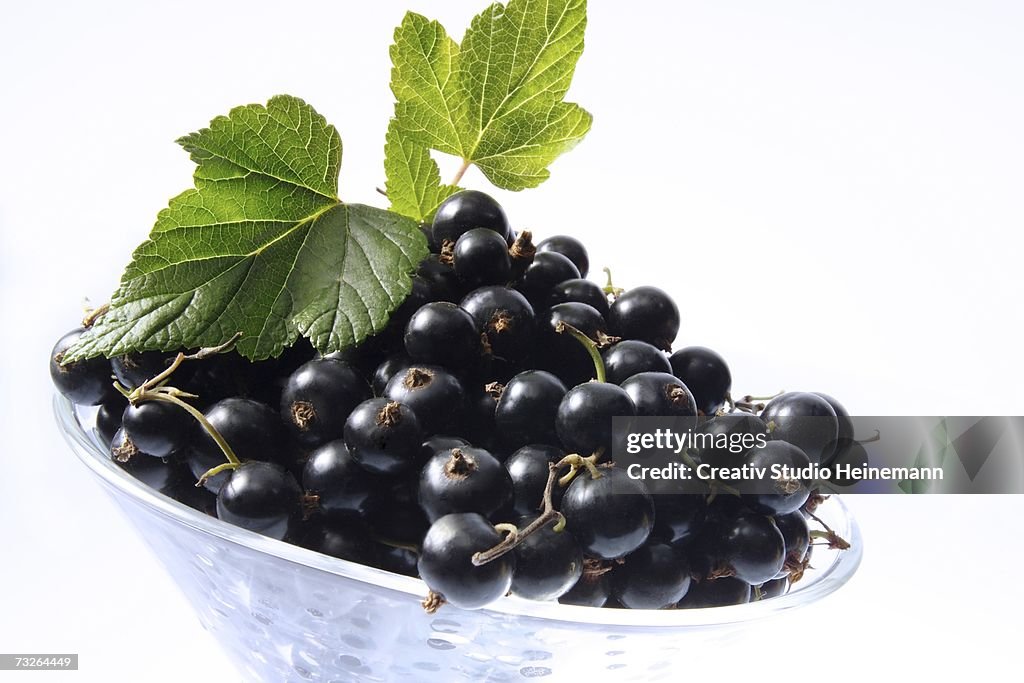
{"type": "Point", "coordinates": [284, 613]}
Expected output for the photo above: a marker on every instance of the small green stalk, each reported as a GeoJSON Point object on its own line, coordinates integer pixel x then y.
{"type": "Point", "coordinates": [589, 344]}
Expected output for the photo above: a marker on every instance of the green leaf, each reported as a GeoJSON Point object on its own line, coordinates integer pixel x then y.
{"type": "Point", "coordinates": [263, 246]}
{"type": "Point", "coordinates": [413, 181]}
{"type": "Point", "coordinates": [497, 100]}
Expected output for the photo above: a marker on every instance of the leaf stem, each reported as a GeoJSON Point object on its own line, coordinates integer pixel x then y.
{"type": "Point", "coordinates": [462, 171]}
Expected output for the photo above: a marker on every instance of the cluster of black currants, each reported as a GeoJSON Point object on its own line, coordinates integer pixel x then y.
{"type": "Point", "coordinates": [468, 443]}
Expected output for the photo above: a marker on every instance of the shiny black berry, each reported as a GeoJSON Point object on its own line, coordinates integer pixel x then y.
{"type": "Point", "coordinates": [526, 411]}
{"type": "Point", "coordinates": [505, 318]}
{"type": "Point", "coordinates": [318, 398]}
{"type": "Point", "coordinates": [465, 210]}
{"type": "Point", "coordinates": [547, 270]}
{"type": "Point", "coordinates": [610, 516]}
{"type": "Point", "coordinates": [441, 333]}
{"type": "Point", "coordinates": [446, 564]}
{"type": "Point", "coordinates": [659, 394]}
{"type": "Point", "coordinates": [481, 258]}
{"type": "Point", "coordinates": [252, 429]}
{"type": "Point", "coordinates": [384, 436]}
{"type": "Point", "coordinates": [261, 497]}
{"type": "Point", "coordinates": [344, 490]}
{"type": "Point", "coordinates": [805, 420]}
{"type": "Point", "coordinates": [560, 352]}
{"type": "Point", "coordinates": [571, 248]}
{"type": "Point", "coordinates": [463, 480]}
{"type": "Point", "coordinates": [529, 469]}
{"type": "Point", "coordinates": [628, 357]}
{"type": "Point", "coordinates": [433, 393]}
{"type": "Point", "coordinates": [86, 381]}
{"type": "Point", "coordinates": [719, 592]}
{"type": "Point", "coordinates": [705, 374]}
{"type": "Point", "coordinates": [584, 418]}
{"type": "Point", "coordinates": [581, 291]}
{"type": "Point", "coordinates": [157, 427]}
{"type": "Point", "coordinates": [776, 495]}
{"type": "Point", "coordinates": [547, 564]}
{"type": "Point", "coordinates": [647, 314]}
{"type": "Point", "coordinates": [652, 577]}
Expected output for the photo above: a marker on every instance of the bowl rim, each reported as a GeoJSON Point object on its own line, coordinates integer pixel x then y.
{"type": "Point", "coordinates": [86, 445]}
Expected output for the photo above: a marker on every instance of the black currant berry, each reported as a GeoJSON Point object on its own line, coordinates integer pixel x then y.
{"type": "Point", "coordinates": [722, 440]}
{"type": "Point", "coordinates": [261, 497]}
{"type": "Point", "coordinates": [133, 369]}
{"type": "Point", "coordinates": [592, 589]}
{"type": "Point", "coordinates": [463, 480]}
{"type": "Point", "coordinates": [569, 247]}
{"type": "Point", "coordinates": [652, 577]}
{"type": "Point", "coordinates": [771, 495]}
{"type": "Point", "coordinates": [584, 418]}
{"type": "Point", "coordinates": [506, 319]}
{"type": "Point", "coordinates": [434, 394]}
{"type": "Point", "coordinates": [446, 563]}
{"type": "Point", "coordinates": [392, 365]}
{"type": "Point", "coordinates": [346, 540]}
{"type": "Point", "coordinates": [719, 592]}
{"type": "Point", "coordinates": [805, 420]}
{"type": "Point", "coordinates": [610, 516]}
{"type": "Point", "coordinates": [526, 411]}
{"type": "Point", "coordinates": [705, 374]}
{"type": "Point", "coordinates": [659, 394]}
{"type": "Point", "coordinates": [774, 588]}
{"type": "Point", "coordinates": [84, 382]}
{"type": "Point", "coordinates": [441, 280]}
{"type": "Point", "coordinates": [647, 314]}
{"type": "Point", "coordinates": [252, 429]}
{"type": "Point", "coordinates": [845, 429]}
{"type": "Point", "coordinates": [108, 417]}
{"type": "Point", "coordinates": [547, 564]}
{"type": "Point", "coordinates": [479, 423]}
{"type": "Point", "coordinates": [465, 210]}
{"type": "Point", "coordinates": [344, 489]}
{"type": "Point", "coordinates": [752, 546]}
{"type": "Point", "coordinates": [677, 515]}
{"type": "Point", "coordinates": [547, 270]}
{"type": "Point", "coordinates": [433, 445]}
{"type": "Point", "coordinates": [581, 291]}
{"type": "Point", "coordinates": [852, 454]}
{"type": "Point", "coordinates": [318, 398]}
{"type": "Point", "coordinates": [441, 333]}
{"type": "Point", "coordinates": [560, 352]}
{"type": "Point", "coordinates": [528, 468]}
{"type": "Point", "coordinates": [629, 357]}
{"type": "Point", "coordinates": [160, 474]}
{"type": "Point", "coordinates": [384, 436]}
{"type": "Point", "coordinates": [796, 536]}
{"type": "Point", "coordinates": [157, 427]}
{"type": "Point", "coordinates": [481, 258]}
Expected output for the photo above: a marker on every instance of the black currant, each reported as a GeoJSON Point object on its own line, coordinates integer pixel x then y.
{"type": "Point", "coordinates": [584, 418]}
{"type": "Point", "coordinates": [547, 563]}
{"type": "Point", "coordinates": [441, 280]}
{"type": "Point", "coordinates": [547, 270]}
{"type": "Point", "coordinates": [629, 357]}
{"type": "Point", "coordinates": [592, 590]}
{"type": "Point", "coordinates": [771, 495]}
{"type": "Point", "coordinates": [581, 291]}
{"type": "Point", "coordinates": [252, 429]}
{"type": "Point", "coordinates": [647, 314]}
{"type": "Point", "coordinates": [526, 411]}
{"type": "Point", "coordinates": [796, 536]}
{"type": "Point", "coordinates": [528, 468]}
{"type": "Point", "coordinates": [108, 417]}
{"type": "Point", "coordinates": [384, 436]}
{"type": "Point", "coordinates": [86, 381]}
{"type": "Point", "coordinates": [346, 540]}
{"type": "Point", "coordinates": [441, 333]}
{"type": "Point", "coordinates": [392, 365]}
{"type": "Point", "coordinates": [774, 588]}
{"type": "Point", "coordinates": [805, 420]}
{"type": "Point", "coordinates": [569, 247]}
{"type": "Point", "coordinates": [845, 433]}
{"type": "Point", "coordinates": [505, 318]}
{"type": "Point", "coordinates": [318, 398]}
{"type": "Point", "coordinates": [652, 577]}
{"type": "Point", "coordinates": [343, 488]}
{"type": "Point", "coordinates": [434, 394]}
{"type": "Point", "coordinates": [465, 210]}
{"type": "Point", "coordinates": [133, 369]}
{"type": "Point", "coordinates": [560, 352]}
{"type": "Point", "coordinates": [705, 374]}
{"type": "Point", "coordinates": [446, 561]}
{"type": "Point", "coordinates": [719, 592]}
{"type": "Point", "coordinates": [659, 394]}
{"type": "Point", "coordinates": [463, 480]}
{"type": "Point", "coordinates": [481, 258]}
{"type": "Point", "coordinates": [479, 422]}
{"type": "Point", "coordinates": [678, 515]}
{"type": "Point", "coordinates": [752, 547]}
{"type": "Point", "coordinates": [610, 516]}
{"type": "Point", "coordinates": [158, 427]}
{"type": "Point", "coordinates": [160, 474]}
{"type": "Point", "coordinates": [262, 497]}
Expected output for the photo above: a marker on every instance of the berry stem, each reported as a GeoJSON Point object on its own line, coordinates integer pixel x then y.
{"type": "Point", "coordinates": [515, 536]}
{"type": "Point", "coordinates": [170, 397]}
{"type": "Point", "coordinates": [214, 471]}
{"type": "Point", "coordinates": [94, 314]}
{"type": "Point", "coordinates": [609, 288]}
{"type": "Point", "coordinates": [589, 344]}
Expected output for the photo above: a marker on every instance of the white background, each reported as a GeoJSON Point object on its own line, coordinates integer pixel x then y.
{"type": "Point", "coordinates": [831, 189]}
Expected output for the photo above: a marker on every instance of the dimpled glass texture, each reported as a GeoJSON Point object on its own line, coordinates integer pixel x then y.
{"type": "Point", "coordinates": [284, 613]}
